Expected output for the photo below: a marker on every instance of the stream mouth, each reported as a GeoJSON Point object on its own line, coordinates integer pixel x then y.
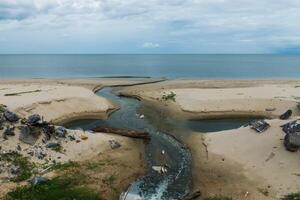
{"type": "Point", "coordinates": [162, 150]}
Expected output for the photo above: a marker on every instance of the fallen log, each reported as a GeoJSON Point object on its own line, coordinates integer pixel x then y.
{"type": "Point", "coordinates": [124, 132]}
{"type": "Point", "coordinates": [193, 195]}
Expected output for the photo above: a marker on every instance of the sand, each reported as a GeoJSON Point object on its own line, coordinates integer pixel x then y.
{"type": "Point", "coordinates": [59, 101]}
{"type": "Point", "coordinates": [239, 163]}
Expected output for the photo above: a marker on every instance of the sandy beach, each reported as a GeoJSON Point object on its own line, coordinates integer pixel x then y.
{"type": "Point", "coordinates": [238, 163]}
{"type": "Point", "coordinates": [60, 101]}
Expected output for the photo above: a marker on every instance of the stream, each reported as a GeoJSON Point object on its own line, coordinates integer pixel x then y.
{"type": "Point", "coordinates": [163, 149]}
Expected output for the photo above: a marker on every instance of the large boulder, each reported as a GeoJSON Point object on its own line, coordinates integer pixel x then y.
{"type": "Point", "coordinates": [34, 120]}
{"type": "Point", "coordinates": [11, 116]}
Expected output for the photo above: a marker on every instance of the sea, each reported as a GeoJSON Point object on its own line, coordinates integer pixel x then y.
{"type": "Point", "coordinates": [202, 66]}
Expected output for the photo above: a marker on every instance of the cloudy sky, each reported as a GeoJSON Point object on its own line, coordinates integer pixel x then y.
{"type": "Point", "coordinates": [149, 26]}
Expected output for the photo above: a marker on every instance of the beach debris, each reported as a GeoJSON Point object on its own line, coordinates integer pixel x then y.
{"type": "Point", "coordinates": [259, 125]}
{"type": "Point", "coordinates": [34, 120]}
{"type": "Point", "coordinates": [163, 152]}
{"type": "Point", "coordinates": [84, 137]}
{"type": "Point", "coordinates": [114, 144]}
{"type": "Point", "coordinates": [292, 137]}
{"type": "Point", "coordinates": [193, 195]}
{"type": "Point", "coordinates": [61, 131]}
{"type": "Point", "coordinates": [170, 96]}
{"type": "Point", "coordinates": [11, 116]}
{"type": "Point", "coordinates": [9, 131]}
{"type": "Point", "coordinates": [270, 109]}
{"type": "Point", "coordinates": [291, 127]}
{"type": "Point", "coordinates": [142, 116]}
{"type": "Point", "coordinates": [19, 148]}
{"type": "Point", "coordinates": [272, 154]}
{"type": "Point", "coordinates": [36, 180]}
{"type": "Point", "coordinates": [52, 145]}
{"type": "Point", "coordinates": [123, 132]}
{"type": "Point", "coordinates": [161, 169]}
{"type": "Point", "coordinates": [286, 115]}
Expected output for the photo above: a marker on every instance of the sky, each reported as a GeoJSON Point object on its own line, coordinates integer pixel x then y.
{"type": "Point", "coordinates": [149, 26]}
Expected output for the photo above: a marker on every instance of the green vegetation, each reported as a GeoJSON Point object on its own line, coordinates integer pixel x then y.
{"type": "Point", "coordinates": [293, 196]}
{"type": "Point", "coordinates": [263, 191]}
{"type": "Point", "coordinates": [19, 93]}
{"type": "Point", "coordinates": [74, 181]}
{"type": "Point", "coordinates": [218, 198]}
{"type": "Point", "coordinates": [63, 187]}
{"type": "Point", "coordinates": [2, 108]}
{"type": "Point", "coordinates": [170, 96]}
{"type": "Point", "coordinates": [24, 166]}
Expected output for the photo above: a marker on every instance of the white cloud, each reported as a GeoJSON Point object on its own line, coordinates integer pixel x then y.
{"type": "Point", "coordinates": [191, 25]}
{"type": "Point", "coordinates": [151, 45]}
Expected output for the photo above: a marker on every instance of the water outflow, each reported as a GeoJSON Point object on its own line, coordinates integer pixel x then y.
{"type": "Point", "coordinates": [163, 149]}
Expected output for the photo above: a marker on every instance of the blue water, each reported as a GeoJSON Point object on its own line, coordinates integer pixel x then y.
{"type": "Point", "coordinates": [171, 66]}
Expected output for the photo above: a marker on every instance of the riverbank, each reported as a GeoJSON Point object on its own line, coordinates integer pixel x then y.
{"type": "Point", "coordinates": [60, 101]}
{"type": "Point", "coordinates": [239, 163]}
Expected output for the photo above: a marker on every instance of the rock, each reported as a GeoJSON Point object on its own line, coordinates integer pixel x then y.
{"type": "Point", "coordinates": [9, 131]}
{"type": "Point", "coordinates": [38, 180]}
{"type": "Point", "coordinates": [289, 142]}
{"type": "Point", "coordinates": [114, 144]}
{"type": "Point", "coordinates": [142, 116]}
{"type": "Point", "coordinates": [40, 154]}
{"type": "Point", "coordinates": [286, 115]}
{"type": "Point", "coordinates": [48, 130]}
{"type": "Point", "coordinates": [259, 125]}
{"type": "Point", "coordinates": [72, 137]}
{"type": "Point", "coordinates": [52, 145]}
{"type": "Point", "coordinates": [61, 131]}
{"type": "Point", "coordinates": [29, 135]}
{"type": "Point", "coordinates": [11, 116]}
{"type": "Point", "coordinates": [14, 169]}
{"type": "Point", "coordinates": [34, 120]}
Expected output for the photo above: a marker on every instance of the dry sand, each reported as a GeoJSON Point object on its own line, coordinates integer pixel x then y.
{"type": "Point", "coordinates": [239, 163]}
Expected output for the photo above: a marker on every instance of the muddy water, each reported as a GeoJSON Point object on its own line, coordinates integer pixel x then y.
{"type": "Point", "coordinates": [176, 183]}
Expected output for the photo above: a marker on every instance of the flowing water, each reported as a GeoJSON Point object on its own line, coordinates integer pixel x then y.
{"type": "Point", "coordinates": [176, 182]}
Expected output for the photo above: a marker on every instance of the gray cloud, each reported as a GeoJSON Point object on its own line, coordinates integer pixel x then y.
{"type": "Point", "coordinates": [196, 25]}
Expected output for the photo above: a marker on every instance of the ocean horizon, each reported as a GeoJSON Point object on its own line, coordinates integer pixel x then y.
{"type": "Point", "coordinates": [202, 66]}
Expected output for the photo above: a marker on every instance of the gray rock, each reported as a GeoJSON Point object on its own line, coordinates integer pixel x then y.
{"type": "Point", "coordinates": [34, 119]}
{"type": "Point", "coordinates": [9, 131]}
{"type": "Point", "coordinates": [14, 169]}
{"type": "Point", "coordinates": [38, 180]}
{"type": "Point", "coordinates": [11, 116]}
{"type": "Point", "coordinates": [114, 144]}
{"type": "Point", "coordinates": [52, 145]}
{"type": "Point", "coordinates": [61, 131]}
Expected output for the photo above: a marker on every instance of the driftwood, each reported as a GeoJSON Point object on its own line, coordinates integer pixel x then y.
{"type": "Point", "coordinates": [193, 195]}
{"type": "Point", "coordinates": [123, 132]}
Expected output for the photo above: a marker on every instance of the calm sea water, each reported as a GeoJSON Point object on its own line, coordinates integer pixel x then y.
{"type": "Point", "coordinates": [172, 66]}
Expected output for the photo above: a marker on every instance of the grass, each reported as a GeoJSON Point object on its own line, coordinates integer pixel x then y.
{"type": "Point", "coordinates": [2, 108]}
{"type": "Point", "coordinates": [19, 93]}
{"type": "Point", "coordinates": [218, 198]}
{"type": "Point", "coordinates": [292, 196]}
{"type": "Point", "coordinates": [264, 191]}
{"type": "Point", "coordinates": [170, 96]}
{"type": "Point", "coordinates": [74, 181]}
{"type": "Point", "coordinates": [59, 188]}
{"type": "Point", "coordinates": [23, 163]}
